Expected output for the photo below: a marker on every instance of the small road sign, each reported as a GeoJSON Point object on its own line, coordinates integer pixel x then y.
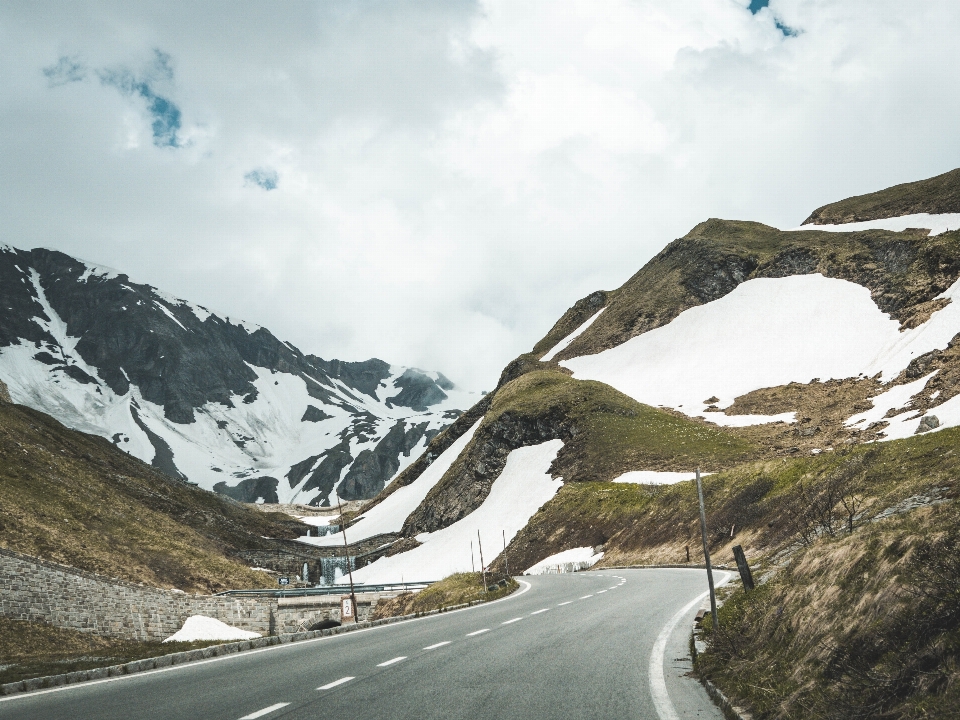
{"type": "Point", "coordinates": [284, 581]}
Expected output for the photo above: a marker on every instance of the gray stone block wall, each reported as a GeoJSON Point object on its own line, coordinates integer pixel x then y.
{"type": "Point", "coordinates": [38, 590]}
{"type": "Point", "coordinates": [34, 589]}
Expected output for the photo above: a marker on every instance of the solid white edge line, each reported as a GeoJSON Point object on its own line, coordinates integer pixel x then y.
{"type": "Point", "coordinates": [248, 653]}
{"type": "Point", "coordinates": [658, 682]}
{"type": "Point", "coordinates": [265, 711]}
{"type": "Point", "coordinates": [436, 645]}
{"type": "Point", "coordinates": [478, 632]}
{"type": "Point", "coordinates": [341, 681]}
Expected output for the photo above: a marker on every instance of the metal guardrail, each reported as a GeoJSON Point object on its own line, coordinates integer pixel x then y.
{"type": "Point", "coordinates": [325, 590]}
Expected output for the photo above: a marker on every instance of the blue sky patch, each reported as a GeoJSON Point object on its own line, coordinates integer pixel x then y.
{"type": "Point", "coordinates": [166, 115]}
{"type": "Point", "coordinates": [267, 178]}
{"type": "Point", "coordinates": [66, 70]}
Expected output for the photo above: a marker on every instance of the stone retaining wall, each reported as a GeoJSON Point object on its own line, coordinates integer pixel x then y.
{"type": "Point", "coordinates": [39, 590]}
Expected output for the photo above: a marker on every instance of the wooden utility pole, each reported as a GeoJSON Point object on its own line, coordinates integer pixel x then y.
{"type": "Point", "coordinates": [706, 554]}
{"type": "Point", "coordinates": [483, 568]}
{"type": "Point", "coordinates": [346, 555]}
{"type": "Point", "coordinates": [473, 567]}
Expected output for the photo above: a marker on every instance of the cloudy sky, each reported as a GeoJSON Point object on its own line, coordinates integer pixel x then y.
{"type": "Point", "coordinates": [435, 182]}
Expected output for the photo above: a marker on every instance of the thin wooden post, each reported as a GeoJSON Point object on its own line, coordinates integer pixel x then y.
{"type": "Point", "coordinates": [706, 554]}
{"type": "Point", "coordinates": [506, 564]}
{"type": "Point", "coordinates": [473, 566]}
{"type": "Point", "coordinates": [483, 568]}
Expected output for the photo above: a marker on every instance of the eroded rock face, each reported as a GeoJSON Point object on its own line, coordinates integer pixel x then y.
{"type": "Point", "coordinates": [373, 468]}
{"type": "Point", "coordinates": [467, 483]}
{"type": "Point", "coordinates": [4, 393]}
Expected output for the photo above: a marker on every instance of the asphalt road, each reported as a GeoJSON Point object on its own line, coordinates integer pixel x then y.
{"type": "Point", "coordinates": [607, 644]}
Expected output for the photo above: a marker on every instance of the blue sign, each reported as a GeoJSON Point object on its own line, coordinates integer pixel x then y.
{"type": "Point", "coordinates": [284, 581]}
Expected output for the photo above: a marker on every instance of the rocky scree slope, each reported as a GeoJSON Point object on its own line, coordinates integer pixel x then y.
{"type": "Point", "coordinates": [76, 499]}
{"type": "Point", "coordinates": [219, 402]}
{"type": "Point", "coordinates": [893, 287]}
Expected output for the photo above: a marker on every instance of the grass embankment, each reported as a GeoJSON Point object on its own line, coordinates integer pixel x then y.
{"type": "Point", "coordinates": [766, 505]}
{"type": "Point", "coordinates": [614, 432]}
{"type": "Point", "coordinates": [940, 194]}
{"type": "Point", "coordinates": [457, 589]}
{"type": "Point", "coordinates": [75, 499]}
{"type": "Point", "coordinates": [31, 649]}
{"type": "Point", "coordinates": [857, 626]}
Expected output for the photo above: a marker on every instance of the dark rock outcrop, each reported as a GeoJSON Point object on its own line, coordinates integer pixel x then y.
{"type": "Point", "coordinates": [467, 483]}
{"type": "Point", "coordinates": [251, 489]}
{"type": "Point", "coordinates": [417, 391]}
{"type": "Point", "coordinates": [373, 468]}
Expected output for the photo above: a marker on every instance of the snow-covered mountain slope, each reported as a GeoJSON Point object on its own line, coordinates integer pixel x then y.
{"type": "Point", "coordinates": [214, 400]}
{"type": "Point", "coordinates": [738, 342]}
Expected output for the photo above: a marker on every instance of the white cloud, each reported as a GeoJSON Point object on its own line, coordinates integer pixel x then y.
{"type": "Point", "coordinates": [452, 176]}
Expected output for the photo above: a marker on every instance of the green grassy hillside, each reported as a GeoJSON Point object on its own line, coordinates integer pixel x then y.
{"type": "Point", "coordinates": [940, 194]}
{"type": "Point", "coordinates": [75, 499]}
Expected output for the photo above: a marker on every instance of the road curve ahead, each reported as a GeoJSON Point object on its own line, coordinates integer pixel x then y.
{"type": "Point", "coordinates": [606, 644]}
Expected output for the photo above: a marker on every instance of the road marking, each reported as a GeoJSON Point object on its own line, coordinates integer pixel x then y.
{"type": "Point", "coordinates": [658, 684]}
{"type": "Point", "coordinates": [391, 662]}
{"type": "Point", "coordinates": [478, 632]}
{"type": "Point", "coordinates": [566, 603]}
{"type": "Point", "coordinates": [341, 681]}
{"type": "Point", "coordinates": [537, 612]}
{"type": "Point", "coordinates": [180, 667]}
{"type": "Point", "coordinates": [265, 711]}
{"type": "Point", "coordinates": [600, 591]}
{"type": "Point", "coordinates": [585, 597]}
{"type": "Point", "coordinates": [436, 645]}
{"type": "Point", "coordinates": [507, 622]}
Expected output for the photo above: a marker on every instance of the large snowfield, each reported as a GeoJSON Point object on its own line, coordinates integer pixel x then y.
{"type": "Point", "coordinates": [767, 332]}
{"type": "Point", "coordinates": [522, 488]}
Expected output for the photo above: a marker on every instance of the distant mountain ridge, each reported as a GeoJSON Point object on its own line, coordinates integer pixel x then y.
{"type": "Point", "coordinates": [217, 401]}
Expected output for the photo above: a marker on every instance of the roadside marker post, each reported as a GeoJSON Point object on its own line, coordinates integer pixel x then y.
{"type": "Point", "coordinates": [706, 554]}
{"type": "Point", "coordinates": [346, 557]}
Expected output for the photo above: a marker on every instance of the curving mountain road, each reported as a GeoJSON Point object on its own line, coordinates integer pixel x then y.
{"type": "Point", "coordinates": [606, 644]}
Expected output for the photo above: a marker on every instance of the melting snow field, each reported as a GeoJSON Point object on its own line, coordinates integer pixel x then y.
{"type": "Point", "coordinates": [652, 477]}
{"type": "Point", "coordinates": [388, 516]}
{"type": "Point", "coordinates": [937, 224]}
{"type": "Point", "coordinates": [565, 343]}
{"type": "Point", "coordinates": [522, 488]}
{"type": "Point", "coordinates": [767, 332]}
{"type": "Point", "coordinates": [201, 627]}
{"type": "Point", "coordinates": [584, 555]}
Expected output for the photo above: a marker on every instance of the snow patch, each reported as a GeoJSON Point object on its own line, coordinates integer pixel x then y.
{"type": "Point", "coordinates": [565, 343]}
{"type": "Point", "coordinates": [583, 556]}
{"type": "Point", "coordinates": [520, 490]}
{"type": "Point", "coordinates": [767, 332]}
{"type": "Point", "coordinates": [200, 627]}
{"type": "Point", "coordinates": [653, 477]}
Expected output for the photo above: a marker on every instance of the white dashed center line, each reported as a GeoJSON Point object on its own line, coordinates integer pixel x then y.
{"type": "Point", "coordinates": [341, 681]}
{"type": "Point", "coordinates": [265, 711]}
{"type": "Point", "coordinates": [436, 645]}
{"type": "Point", "coordinates": [585, 597]}
{"type": "Point", "coordinates": [507, 622]}
{"type": "Point", "coordinates": [600, 591]}
{"type": "Point", "coordinates": [566, 603]}
{"type": "Point", "coordinates": [391, 662]}
{"type": "Point", "coordinates": [478, 632]}
{"type": "Point", "coordinates": [537, 612]}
